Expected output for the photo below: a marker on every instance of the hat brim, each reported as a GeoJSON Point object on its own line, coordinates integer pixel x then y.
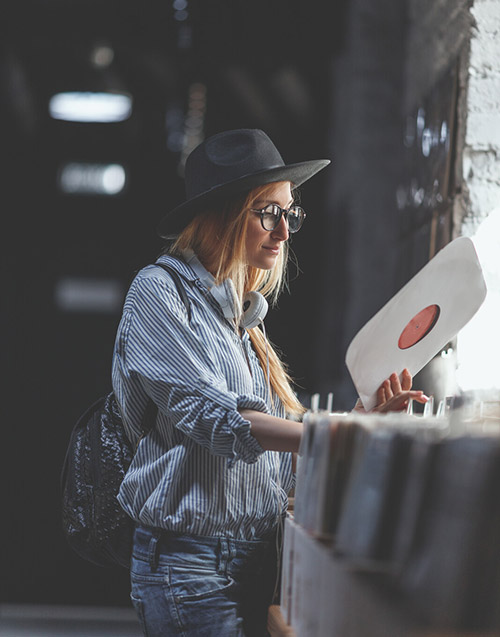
{"type": "Point", "coordinates": [177, 219]}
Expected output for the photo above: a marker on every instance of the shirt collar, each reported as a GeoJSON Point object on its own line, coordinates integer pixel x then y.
{"type": "Point", "coordinates": [179, 265]}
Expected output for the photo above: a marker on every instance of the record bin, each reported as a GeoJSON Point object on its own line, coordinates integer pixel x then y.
{"type": "Point", "coordinates": [395, 526]}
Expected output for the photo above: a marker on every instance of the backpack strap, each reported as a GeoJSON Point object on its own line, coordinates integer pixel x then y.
{"type": "Point", "coordinates": [178, 284]}
{"type": "Point", "coordinates": [149, 418]}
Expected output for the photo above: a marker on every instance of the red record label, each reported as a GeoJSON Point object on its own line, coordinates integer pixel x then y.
{"type": "Point", "coordinates": [419, 326]}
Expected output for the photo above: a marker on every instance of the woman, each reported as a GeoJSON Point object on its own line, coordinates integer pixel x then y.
{"type": "Point", "coordinates": [207, 487]}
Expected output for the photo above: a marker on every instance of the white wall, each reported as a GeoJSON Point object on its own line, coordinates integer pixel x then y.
{"type": "Point", "coordinates": [481, 155]}
{"type": "Point", "coordinates": [478, 344]}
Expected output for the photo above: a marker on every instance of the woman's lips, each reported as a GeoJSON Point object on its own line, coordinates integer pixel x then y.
{"type": "Point", "coordinates": [274, 250]}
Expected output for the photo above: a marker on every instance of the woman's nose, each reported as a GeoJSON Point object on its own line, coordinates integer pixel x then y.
{"type": "Point", "coordinates": [281, 231]}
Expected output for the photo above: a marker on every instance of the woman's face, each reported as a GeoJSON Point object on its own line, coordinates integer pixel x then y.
{"type": "Point", "coordinates": [262, 246]}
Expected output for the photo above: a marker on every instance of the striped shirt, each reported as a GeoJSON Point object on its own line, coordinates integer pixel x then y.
{"type": "Point", "coordinates": [200, 470]}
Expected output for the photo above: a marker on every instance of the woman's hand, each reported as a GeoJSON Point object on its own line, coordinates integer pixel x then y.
{"type": "Point", "coordinates": [394, 394]}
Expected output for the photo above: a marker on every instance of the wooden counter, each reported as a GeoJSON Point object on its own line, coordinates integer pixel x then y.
{"type": "Point", "coordinates": [276, 624]}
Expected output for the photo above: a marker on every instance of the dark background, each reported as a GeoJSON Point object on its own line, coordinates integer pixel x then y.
{"type": "Point", "coordinates": [265, 65]}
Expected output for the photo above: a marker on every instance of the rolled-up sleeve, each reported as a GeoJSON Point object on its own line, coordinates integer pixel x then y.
{"type": "Point", "coordinates": [174, 366]}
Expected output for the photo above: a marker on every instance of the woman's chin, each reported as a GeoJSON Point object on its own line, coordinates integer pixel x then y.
{"type": "Point", "coordinates": [264, 262]}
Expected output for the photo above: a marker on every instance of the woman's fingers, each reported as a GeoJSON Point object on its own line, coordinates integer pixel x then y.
{"type": "Point", "coordinates": [381, 395]}
{"type": "Point", "coordinates": [387, 385]}
{"type": "Point", "coordinates": [406, 380]}
{"type": "Point", "coordinates": [395, 384]}
{"type": "Point", "coordinates": [394, 394]}
{"type": "Point", "coordinates": [400, 401]}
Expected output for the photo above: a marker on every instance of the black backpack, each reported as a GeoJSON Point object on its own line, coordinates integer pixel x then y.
{"type": "Point", "coordinates": [97, 458]}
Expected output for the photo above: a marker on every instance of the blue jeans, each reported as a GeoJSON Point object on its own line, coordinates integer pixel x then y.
{"type": "Point", "coordinates": [201, 586]}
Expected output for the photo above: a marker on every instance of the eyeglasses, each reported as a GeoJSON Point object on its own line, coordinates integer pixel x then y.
{"type": "Point", "coordinates": [270, 216]}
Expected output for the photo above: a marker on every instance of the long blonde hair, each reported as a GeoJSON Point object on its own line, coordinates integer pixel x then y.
{"type": "Point", "coordinates": [217, 236]}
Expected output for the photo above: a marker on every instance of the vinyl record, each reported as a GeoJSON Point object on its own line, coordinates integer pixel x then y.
{"type": "Point", "coordinates": [419, 320]}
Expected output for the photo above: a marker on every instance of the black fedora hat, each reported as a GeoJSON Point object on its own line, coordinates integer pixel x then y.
{"type": "Point", "coordinates": [230, 163]}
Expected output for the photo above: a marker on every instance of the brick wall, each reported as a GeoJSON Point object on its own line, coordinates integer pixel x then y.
{"type": "Point", "coordinates": [478, 345]}
{"type": "Point", "coordinates": [481, 152]}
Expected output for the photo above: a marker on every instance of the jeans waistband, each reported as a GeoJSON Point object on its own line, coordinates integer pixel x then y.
{"type": "Point", "coordinates": [162, 547]}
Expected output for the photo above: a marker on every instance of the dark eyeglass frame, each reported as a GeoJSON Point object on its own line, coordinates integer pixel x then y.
{"type": "Point", "coordinates": [278, 212]}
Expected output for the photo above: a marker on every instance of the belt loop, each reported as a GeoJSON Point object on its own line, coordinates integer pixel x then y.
{"type": "Point", "coordinates": [222, 555]}
{"type": "Point", "coordinates": [231, 550]}
{"type": "Point", "coordinates": [153, 549]}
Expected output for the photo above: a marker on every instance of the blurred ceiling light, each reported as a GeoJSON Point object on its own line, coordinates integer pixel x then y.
{"type": "Point", "coordinates": [102, 55]}
{"type": "Point", "coordinates": [74, 294]}
{"type": "Point", "coordinates": [180, 10]}
{"type": "Point", "coordinates": [87, 106]}
{"type": "Point", "coordinates": [194, 122]}
{"type": "Point", "coordinates": [78, 178]}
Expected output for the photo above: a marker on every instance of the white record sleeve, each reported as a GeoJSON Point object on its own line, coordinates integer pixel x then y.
{"type": "Point", "coordinates": [419, 320]}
